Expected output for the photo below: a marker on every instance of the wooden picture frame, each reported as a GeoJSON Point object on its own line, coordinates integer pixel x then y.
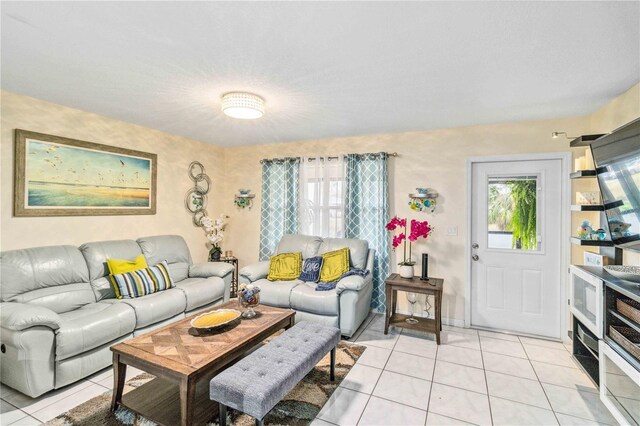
{"type": "Point", "coordinates": [57, 176]}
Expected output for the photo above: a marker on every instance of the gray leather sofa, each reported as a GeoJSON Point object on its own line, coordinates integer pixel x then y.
{"type": "Point", "coordinates": [59, 314]}
{"type": "Point", "coordinates": [345, 307]}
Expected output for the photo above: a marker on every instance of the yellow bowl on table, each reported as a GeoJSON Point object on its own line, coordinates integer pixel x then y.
{"type": "Point", "coordinates": [215, 319]}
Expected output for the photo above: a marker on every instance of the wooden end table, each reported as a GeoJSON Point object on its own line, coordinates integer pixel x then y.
{"type": "Point", "coordinates": [183, 362]}
{"type": "Point", "coordinates": [413, 285]}
{"type": "Point", "coordinates": [232, 260]}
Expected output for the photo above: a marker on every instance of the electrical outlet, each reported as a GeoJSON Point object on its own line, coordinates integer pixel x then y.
{"type": "Point", "coordinates": [452, 230]}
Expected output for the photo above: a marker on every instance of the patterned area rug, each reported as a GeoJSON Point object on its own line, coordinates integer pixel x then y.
{"type": "Point", "coordinates": [299, 407]}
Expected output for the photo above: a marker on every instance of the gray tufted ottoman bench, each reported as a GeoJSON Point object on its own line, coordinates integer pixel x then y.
{"type": "Point", "coordinates": [256, 383]}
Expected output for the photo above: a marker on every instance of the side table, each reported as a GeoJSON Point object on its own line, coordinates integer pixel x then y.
{"type": "Point", "coordinates": [413, 285]}
{"type": "Point", "coordinates": [234, 277]}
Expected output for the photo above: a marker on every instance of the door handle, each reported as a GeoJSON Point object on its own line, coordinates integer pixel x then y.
{"type": "Point", "coordinates": [475, 257]}
{"type": "Point", "coordinates": [475, 245]}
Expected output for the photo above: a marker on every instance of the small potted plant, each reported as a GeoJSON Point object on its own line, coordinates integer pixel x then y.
{"type": "Point", "coordinates": [214, 230]}
{"type": "Point", "coordinates": [418, 229]}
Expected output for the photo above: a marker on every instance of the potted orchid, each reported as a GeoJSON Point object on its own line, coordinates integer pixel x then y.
{"type": "Point", "coordinates": [214, 230]}
{"type": "Point", "coordinates": [418, 229]}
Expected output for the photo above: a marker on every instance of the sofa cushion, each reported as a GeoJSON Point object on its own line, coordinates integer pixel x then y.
{"type": "Point", "coordinates": [55, 277]}
{"type": "Point", "coordinates": [96, 254]}
{"type": "Point", "coordinates": [285, 267]}
{"type": "Point", "coordinates": [358, 249]}
{"type": "Point", "coordinates": [201, 291]}
{"type": "Point", "coordinates": [311, 269]}
{"type": "Point", "coordinates": [154, 307]}
{"type": "Point", "coordinates": [210, 269]}
{"type": "Point", "coordinates": [122, 266]}
{"type": "Point", "coordinates": [334, 264]}
{"type": "Point", "coordinates": [61, 298]}
{"type": "Point", "coordinates": [91, 326]}
{"type": "Point", "coordinates": [304, 297]}
{"type": "Point", "coordinates": [276, 293]}
{"type": "Point", "coordinates": [173, 249]}
{"type": "Point", "coordinates": [142, 282]}
{"type": "Point", "coordinates": [306, 244]}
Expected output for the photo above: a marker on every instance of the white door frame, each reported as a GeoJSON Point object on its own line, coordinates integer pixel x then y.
{"type": "Point", "coordinates": [565, 247]}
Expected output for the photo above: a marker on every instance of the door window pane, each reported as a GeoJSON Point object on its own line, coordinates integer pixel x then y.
{"type": "Point", "coordinates": [512, 213]}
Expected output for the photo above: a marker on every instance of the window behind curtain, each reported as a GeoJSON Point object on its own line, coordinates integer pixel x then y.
{"type": "Point", "coordinates": [322, 197]}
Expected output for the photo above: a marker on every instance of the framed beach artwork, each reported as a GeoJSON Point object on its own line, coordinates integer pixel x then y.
{"type": "Point", "coordinates": [56, 176]}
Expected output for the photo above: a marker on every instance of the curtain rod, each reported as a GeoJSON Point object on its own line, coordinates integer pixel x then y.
{"type": "Point", "coordinates": [390, 154]}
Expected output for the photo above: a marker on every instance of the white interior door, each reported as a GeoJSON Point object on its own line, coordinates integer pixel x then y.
{"type": "Point", "coordinates": [516, 282]}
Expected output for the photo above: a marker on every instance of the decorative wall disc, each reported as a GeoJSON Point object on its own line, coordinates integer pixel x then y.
{"type": "Point", "coordinates": [197, 217]}
{"type": "Point", "coordinates": [195, 200]}
{"type": "Point", "coordinates": [203, 183]}
{"type": "Point", "coordinates": [196, 171]}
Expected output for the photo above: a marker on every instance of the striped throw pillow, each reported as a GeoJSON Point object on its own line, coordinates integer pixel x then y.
{"type": "Point", "coordinates": [142, 282]}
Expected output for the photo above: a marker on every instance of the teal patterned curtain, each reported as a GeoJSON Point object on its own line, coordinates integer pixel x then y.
{"type": "Point", "coordinates": [366, 212]}
{"type": "Point", "coordinates": [279, 214]}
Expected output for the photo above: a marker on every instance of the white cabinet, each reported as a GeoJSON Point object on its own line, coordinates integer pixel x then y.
{"type": "Point", "coordinates": [587, 300]}
{"type": "Point", "coordinates": [619, 386]}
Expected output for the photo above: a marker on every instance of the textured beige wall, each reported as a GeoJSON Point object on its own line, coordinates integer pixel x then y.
{"type": "Point", "coordinates": [436, 159]}
{"type": "Point", "coordinates": [616, 113]}
{"type": "Point", "coordinates": [433, 158]}
{"type": "Point", "coordinates": [174, 155]}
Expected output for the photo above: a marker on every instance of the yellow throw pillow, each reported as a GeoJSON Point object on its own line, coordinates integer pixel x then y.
{"type": "Point", "coordinates": [285, 267]}
{"type": "Point", "coordinates": [334, 264]}
{"type": "Point", "coordinates": [118, 266]}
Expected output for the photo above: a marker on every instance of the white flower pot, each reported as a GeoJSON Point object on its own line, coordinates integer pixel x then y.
{"type": "Point", "coordinates": [406, 271]}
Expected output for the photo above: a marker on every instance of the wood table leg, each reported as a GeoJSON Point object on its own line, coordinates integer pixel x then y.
{"type": "Point", "coordinates": [438, 318]}
{"type": "Point", "coordinates": [187, 401]}
{"type": "Point", "coordinates": [119, 374]}
{"type": "Point", "coordinates": [332, 368]}
{"type": "Point", "coordinates": [394, 302]}
{"type": "Point", "coordinates": [292, 322]}
{"type": "Point", "coordinates": [387, 310]}
{"type": "Point", "coordinates": [222, 413]}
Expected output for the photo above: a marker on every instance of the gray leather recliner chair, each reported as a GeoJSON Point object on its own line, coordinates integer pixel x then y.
{"type": "Point", "coordinates": [345, 307]}
{"type": "Point", "coordinates": [59, 314]}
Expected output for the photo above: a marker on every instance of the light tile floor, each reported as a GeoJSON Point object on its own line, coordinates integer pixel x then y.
{"type": "Point", "coordinates": [404, 378]}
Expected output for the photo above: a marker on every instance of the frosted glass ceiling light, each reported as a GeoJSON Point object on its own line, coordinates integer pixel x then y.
{"type": "Point", "coordinates": [246, 106]}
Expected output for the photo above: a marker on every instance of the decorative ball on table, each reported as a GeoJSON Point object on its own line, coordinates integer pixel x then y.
{"type": "Point", "coordinates": [248, 298]}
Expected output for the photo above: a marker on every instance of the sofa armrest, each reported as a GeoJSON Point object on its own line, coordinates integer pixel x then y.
{"type": "Point", "coordinates": [210, 269]}
{"type": "Point", "coordinates": [353, 282]}
{"type": "Point", "coordinates": [20, 316]}
{"type": "Point", "coordinates": [256, 271]}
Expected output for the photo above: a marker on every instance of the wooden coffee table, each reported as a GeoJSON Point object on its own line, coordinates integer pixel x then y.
{"type": "Point", "coordinates": [183, 362]}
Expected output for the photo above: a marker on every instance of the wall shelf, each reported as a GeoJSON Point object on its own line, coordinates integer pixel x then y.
{"type": "Point", "coordinates": [587, 208]}
{"type": "Point", "coordinates": [584, 140]}
{"type": "Point", "coordinates": [629, 323]}
{"type": "Point", "coordinates": [596, 207]}
{"type": "Point", "coordinates": [592, 243]}
{"type": "Point", "coordinates": [583, 174]}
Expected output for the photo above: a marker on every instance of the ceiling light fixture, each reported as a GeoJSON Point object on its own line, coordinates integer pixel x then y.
{"type": "Point", "coordinates": [246, 106]}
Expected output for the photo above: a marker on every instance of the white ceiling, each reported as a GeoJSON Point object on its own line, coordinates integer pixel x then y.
{"type": "Point", "coordinates": [325, 69]}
